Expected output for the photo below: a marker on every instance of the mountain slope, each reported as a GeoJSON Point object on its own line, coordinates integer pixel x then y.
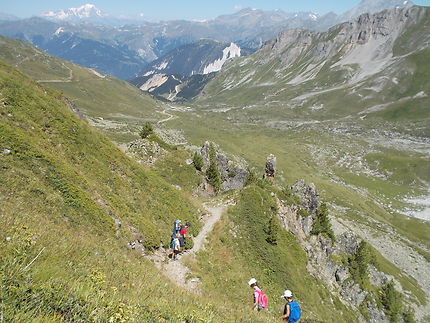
{"type": "Point", "coordinates": [63, 41]}
{"type": "Point", "coordinates": [71, 203]}
{"type": "Point", "coordinates": [305, 72]}
{"type": "Point", "coordinates": [175, 74]}
{"type": "Point", "coordinates": [107, 102]}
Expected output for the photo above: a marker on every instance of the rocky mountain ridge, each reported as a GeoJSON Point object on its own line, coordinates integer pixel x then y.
{"type": "Point", "coordinates": [300, 68]}
{"type": "Point", "coordinates": [149, 41]}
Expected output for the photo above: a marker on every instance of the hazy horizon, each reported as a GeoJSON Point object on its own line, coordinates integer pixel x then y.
{"type": "Point", "coordinates": [188, 10]}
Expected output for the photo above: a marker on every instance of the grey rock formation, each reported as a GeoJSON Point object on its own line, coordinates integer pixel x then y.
{"type": "Point", "coordinates": [352, 293]}
{"type": "Point", "coordinates": [342, 274]}
{"type": "Point", "coordinates": [270, 169]}
{"type": "Point", "coordinates": [308, 195]}
{"type": "Point", "coordinates": [233, 172]}
{"type": "Point", "coordinates": [6, 151]}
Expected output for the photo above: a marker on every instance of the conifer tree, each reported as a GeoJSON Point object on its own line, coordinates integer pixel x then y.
{"type": "Point", "coordinates": [212, 173]}
{"type": "Point", "coordinates": [198, 161]}
{"type": "Point", "coordinates": [146, 130]}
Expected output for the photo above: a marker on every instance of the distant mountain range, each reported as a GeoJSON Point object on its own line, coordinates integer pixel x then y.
{"type": "Point", "coordinates": [105, 41]}
{"type": "Point", "coordinates": [186, 67]}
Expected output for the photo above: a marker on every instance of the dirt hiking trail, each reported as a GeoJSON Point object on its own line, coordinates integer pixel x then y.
{"type": "Point", "coordinates": [176, 271]}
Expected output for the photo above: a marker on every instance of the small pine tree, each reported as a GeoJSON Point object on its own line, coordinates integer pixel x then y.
{"type": "Point", "coordinates": [322, 223]}
{"type": "Point", "coordinates": [198, 161]}
{"type": "Point", "coordinates": [146, 130]}
{"type": "Point", "coordinates": [273, 230]}
{"type": "Point", "coordinates": [358, 264]}
{"type": "Point", "coordinates": [392, 301]}
{"type": "Point", "coordinates": [212, 173]}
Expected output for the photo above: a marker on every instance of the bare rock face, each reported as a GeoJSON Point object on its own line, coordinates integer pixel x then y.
{"type": "Point", "coordinates": [270, 169]}
{"type": "Point", "coordinates": [353, 293]}
{"type": "Point", "coordinates": [233, 170]}
{"type": "Point", "coordinates": [308, 195]}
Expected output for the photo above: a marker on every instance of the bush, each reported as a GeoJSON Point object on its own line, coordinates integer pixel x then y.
{"type": "Point", "coordinates": [198, 161]}
{"type": "Point", "coordinates": [322, 223]}
{"type": "Point", "coordinates": [212, 173]}
{"type": "Point", "coordinates": [273, 230]}
{"type": "Point", "coordinates": [252, 177]}
{"type": "Point", "coordinates": [359, 262]}
{"type": "Point", "coordinates": [146, 130]}
{"type": "Point", "coordinates": [392, 301]}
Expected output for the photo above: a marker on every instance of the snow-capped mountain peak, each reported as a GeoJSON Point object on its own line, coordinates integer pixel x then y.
{"type": "Point", "coordinates": [87, 11]}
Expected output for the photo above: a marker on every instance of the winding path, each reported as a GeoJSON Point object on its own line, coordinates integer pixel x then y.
{"type": "Point", "coordinates": [178, 272]}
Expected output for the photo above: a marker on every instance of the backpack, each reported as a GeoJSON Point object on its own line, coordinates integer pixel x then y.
{"type": "Point", "coordinates": [294, 312]}
{"type": "Point", "coordinates": [175, 227]}
{"type": "Point", "coordinates": [262, 299]}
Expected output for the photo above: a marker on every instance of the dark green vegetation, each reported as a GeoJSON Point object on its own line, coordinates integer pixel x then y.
{"type": "Point", "coordinates": [212, 173]}
{"type": "Point", "coordinates": [146, 130]}
{"type": "Point", "coordinates": [322, 223]}
{"type": "Point", "coordinates": [198, 161]}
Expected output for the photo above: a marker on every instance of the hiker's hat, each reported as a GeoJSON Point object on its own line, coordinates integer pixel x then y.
{"type": "Point", "coordinates": [188, 224]}
{"type": "Point", "coordinates": [252, 281]}
{"type": "Point", "coordinates": [287, 293]}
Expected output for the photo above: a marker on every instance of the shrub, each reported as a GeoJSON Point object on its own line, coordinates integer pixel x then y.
{"type": "Point", "coordinates": [252, 177]}
{"type": "Point", "coordinates": [409, 316]}
{"type": "Point", "coordinates": [358, 264]}
{"type": "Point", "coordinates": [198, 161]}
{"type": "Point", "coordinates": [273, 230]}
{"type": "Point", "coordinates": [322, 223]}
{"type": "Point", "coordinates": [212, 173]}
{"type": "Point", "coordinates": [146, 130]}
{"type": "Point", "coordinates": [392, 301]}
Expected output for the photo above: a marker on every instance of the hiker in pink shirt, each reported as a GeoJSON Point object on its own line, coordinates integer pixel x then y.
{"type": "Point", "coordinates": [260, 299]}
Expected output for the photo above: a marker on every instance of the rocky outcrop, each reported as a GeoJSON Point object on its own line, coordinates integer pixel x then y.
{"type": "Point", "coordinates": [145, 151]}
{"type": "Point", "coordinates": [308, 195]}
{"type": "Point", "coordinates": [233, 170]}
{"type": "Point", "coordinates": [325, 257]}
{"type": "Point", "coordinates": [270, 169]}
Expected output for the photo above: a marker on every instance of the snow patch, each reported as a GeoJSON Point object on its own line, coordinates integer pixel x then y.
{"type": "Point", "coordinates": [162, 65]}
{"type": "Point", "coordinates": [421, 207]}
{"type": "Point", "coordinates": [229, 52]}
{"type": "Point", "coordinates": [59, 31]}
{"type": "Point", "coordinates": [149, 73]}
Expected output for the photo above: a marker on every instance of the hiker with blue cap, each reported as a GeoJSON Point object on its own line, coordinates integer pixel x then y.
{"type": "Point", "coordinates": [292, 309]}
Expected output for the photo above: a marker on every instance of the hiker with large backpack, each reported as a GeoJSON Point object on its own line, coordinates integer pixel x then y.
{"type": "Point", "coordinates": [183, 235]}
{"type": "Point", "coordinates": [292, 309]}
{"type": "Point", "coordinates": [260, 299]}
{"type": "Point", "coordinates": [176, 227]}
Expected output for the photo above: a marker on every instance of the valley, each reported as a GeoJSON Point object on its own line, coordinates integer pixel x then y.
{"type": "Point", "coordinates": [344, 111]}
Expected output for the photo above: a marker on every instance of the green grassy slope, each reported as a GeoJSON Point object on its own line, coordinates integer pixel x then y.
{"type": "Point", "coordinates": [64, 187]}
{"type": "Point", "coordinates": [109, 103]}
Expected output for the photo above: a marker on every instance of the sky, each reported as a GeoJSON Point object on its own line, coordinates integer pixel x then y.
{"type": "Point", "coordinates": [179, 9]}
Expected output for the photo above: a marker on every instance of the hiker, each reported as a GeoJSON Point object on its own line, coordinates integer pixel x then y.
{"type": "Point", "coordinates": [176, 247]}
{"type": "Point", "coordinates": [260, 299]}
{"type": "Point", "coordinates": [183, 235]}
{"type": "Point", "coordinates": [291, 309]}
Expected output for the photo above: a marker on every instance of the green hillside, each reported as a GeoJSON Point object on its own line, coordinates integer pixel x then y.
{"type": "Point", "coordinates": [70, 204]}
{"type": "Point", "coordinates": [107, 102]}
